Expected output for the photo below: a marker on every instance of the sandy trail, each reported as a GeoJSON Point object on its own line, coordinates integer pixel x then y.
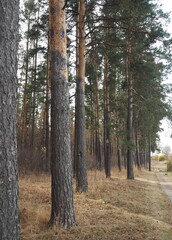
{"type": "Point", "coordinates": [164, 177]}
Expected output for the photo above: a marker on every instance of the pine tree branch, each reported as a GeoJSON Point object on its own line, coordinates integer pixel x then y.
{"type": "Point", "coordinates": [65, 5]}
{"type": "Point", "coordinates": [71, 96]}
{"type": "Point", "coordinates": [118, 28]}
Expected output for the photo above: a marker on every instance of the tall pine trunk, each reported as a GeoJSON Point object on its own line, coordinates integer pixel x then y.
{"type": "Point", "coordinates": [137, 144]}
{"type": "Point", "coordinates": [24, 107]}
{"type": "Point", "coordinates": [75, 125]}
{"type": "Point", "coordinates": [34, 98]}
{"type": "Point", "coordinates": [130, 171]}
{"type": "Point", "coordinates": [149, 153]}
{"type": "Point", "coordinates": [34, 87]}
{"type": "Point", "coordinates": [9, 219]}
{"type": "Point", "coordinates": [97, 109]}
{"type": "Point", "coordinates": [119, 153]}
{"type": "Point", "coordinates": [81, 167]}
{"type": "Point", "coordinates": [107, 143]}
{"type": "Point", "coordinates": [62, 209]}
{"type": "Point", "coordinates": [47, 104]}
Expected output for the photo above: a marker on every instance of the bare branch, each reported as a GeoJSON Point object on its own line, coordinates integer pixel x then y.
{"type": "Point", "coordinates": [65, 5]}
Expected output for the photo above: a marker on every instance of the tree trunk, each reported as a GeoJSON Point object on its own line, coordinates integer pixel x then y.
{"type": "Point", "coordinates": [24, 110]}
{"type": "Point", "coordinates": [77, 72]}
{"type": "Point", "coordinates": [137, 145]}
{"type": "Point", "coordinates": [141, 159]}
{"type": "Point", "coordinates": [81, 168]}
{"type": "Point", "coordinates": [119, 154]}
{"type": "Point", "coordinates": [47, 104]}
{"type": "Point", "coordinates": [125, 158]}
{"type": "Point", "coordinates": [9, 220]}
{"type": "Point", "coordinates": [149, 154]}
{"type": "Point", "coordinates": [130, 172]}
{"type": "Point", "coordinates": [97, 109]}
{"type": "Point", "coordinates": [62, 209]}
{"type": "Point", "coordinates": [34, 98]}
{"type": "Point", "coordinates": [107, 145]}
{"type": "Point", "coordinates": [145, 161]}
{"type": "Point", "coordinates": [34, 88]}
{"type": "Point", "coordinates": [118, 141]}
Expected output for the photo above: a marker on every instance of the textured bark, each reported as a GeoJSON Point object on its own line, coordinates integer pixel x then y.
{"type": "Point", "coordinates": [98, 144]}
{"type": "Point", "coordinates": [81, 167]}
{"type": "Point", "coordinates": [130, 172]}
{"type": "Point", "coordinates": [77, 72]}
{"type": "Point", "coordinates": [62, 209]}
{"type": "Point", "coordinates": [107, 143]}
{"type": "Point", "coordinates": [9, 220]}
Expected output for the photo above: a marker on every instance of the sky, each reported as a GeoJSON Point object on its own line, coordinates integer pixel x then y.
{"type": "Point", "coordinates": [165, 136]}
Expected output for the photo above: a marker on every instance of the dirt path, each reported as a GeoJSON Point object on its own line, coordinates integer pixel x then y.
{"type": "Point", "coordinates": [164, 177]}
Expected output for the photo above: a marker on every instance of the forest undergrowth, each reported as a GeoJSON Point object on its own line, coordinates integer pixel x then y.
{"type": "Point", "coordinates": [113, 209]}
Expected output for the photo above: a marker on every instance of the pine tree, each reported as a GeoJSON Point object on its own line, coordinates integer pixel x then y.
{"type": "Point", "coordinates": [81, 166]}
{"type": "Point", "coordinates": [9, 213]}
{"type": "Point", "coordinates": [62, 209]}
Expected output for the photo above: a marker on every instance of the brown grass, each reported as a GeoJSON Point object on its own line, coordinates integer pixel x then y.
{"type": "Point", "coordinates": [113, 209]}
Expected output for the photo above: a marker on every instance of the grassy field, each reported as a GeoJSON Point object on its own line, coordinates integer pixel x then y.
{"type": "Point", "coordinates": [113, 209]}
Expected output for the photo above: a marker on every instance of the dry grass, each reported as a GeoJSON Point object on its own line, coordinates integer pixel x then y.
{"type": "Point", "coordinates": [113, 209]}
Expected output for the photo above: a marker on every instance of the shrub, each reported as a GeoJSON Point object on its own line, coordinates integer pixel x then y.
{"type": "Point", "coordinates": [169, 166]}
{"type": "Point", "coordinates": [161, 158]}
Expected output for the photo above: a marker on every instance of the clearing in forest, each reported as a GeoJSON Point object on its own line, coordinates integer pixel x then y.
{"type": "Point", "coordinates": [113, 209]}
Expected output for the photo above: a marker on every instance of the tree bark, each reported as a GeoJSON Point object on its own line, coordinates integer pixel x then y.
{"type": "Point", "coordinates": [97, 109]}
{"type": "Point", "coordinates": [77, 72]}
{"type": "Point", "coordinates": [130, 172]}
{"type": "Point", "coordinates": [62, 209]}
{"type": "Point", "coordinates": [107, 143]}
{"type": "Point", "coordinates": [81, 166]}
{"type": "Point", "coordinates": [9, 220]}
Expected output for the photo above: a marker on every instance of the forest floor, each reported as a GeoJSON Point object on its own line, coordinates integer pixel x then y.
{"type": "Point", "coordinates": [113, 209]}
